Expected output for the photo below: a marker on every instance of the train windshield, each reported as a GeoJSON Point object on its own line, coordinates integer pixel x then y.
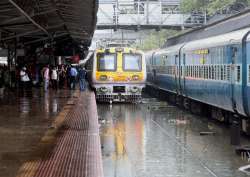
{"type": "Point", "coordinates": [132, 62]}
{"type": "Point", "coordinates": [106, 62]}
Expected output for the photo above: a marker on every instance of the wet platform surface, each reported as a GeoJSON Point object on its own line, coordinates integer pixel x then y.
{"type": "Point", "coordinates": [159, 140]}
{"type": "Point", "coordinates": [24, 118]}
{"type": "Point", "coordinates": [76, 149]}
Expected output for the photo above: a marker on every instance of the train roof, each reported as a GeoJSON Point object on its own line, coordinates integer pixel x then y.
{"type": "Point", "coordinates": [173, 49]}
{"type": "Point", "coordinates": [219, 40]}
{"type": "Point", "coordinates": [229, 24]}
{"type": "Point", "coordinates": [123, 49]}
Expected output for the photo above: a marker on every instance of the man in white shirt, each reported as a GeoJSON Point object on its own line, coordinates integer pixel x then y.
{"type": "Point", "coordinates": [46, 77]}
{"type": "Point", "coordinates": [24, 77]}
{"type": "Point", "coordinates": [54, 78]}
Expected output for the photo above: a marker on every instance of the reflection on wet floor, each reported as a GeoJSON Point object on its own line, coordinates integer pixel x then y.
{"type": "Point", "coordinates": [23, 121]}
{"type": "Point", "coordinates": [144, 141]}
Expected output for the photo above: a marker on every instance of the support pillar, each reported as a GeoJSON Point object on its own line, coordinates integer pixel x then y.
{"type": "Point", "coordinates": [235, 131]}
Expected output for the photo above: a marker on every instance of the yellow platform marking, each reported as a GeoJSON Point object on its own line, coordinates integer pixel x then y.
{"type": "Point", "coordinates": [28, 169]}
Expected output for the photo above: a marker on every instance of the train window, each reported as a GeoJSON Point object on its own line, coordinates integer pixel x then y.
{"type": "Point", "coordinates": [238, 78]}
{"type": "Point", "coordinates": [132, 62]}
{"type": "Point", "coordinates": [209, 71]}
{"type": "Point", "coordinates": [206, 72]}
{"type": "Point", "coordinates": [191, 71]}
{"type": "Point", "coordinates": [196, 71]}
{"type": "Point", "coordinates": [106, 62]}
{"type": "Point", "coordinates": [213, 72]}
{"type": "Point", "coordinates": [202, 75]}
{"type": "Point", "coordinates": [228, 72]}
{"type": "Point", "coordinates": [224, 72]}
{"type": "Point", "coordinates": [221, 73]}
{"type": "Point", "coordinates": [216, 72]}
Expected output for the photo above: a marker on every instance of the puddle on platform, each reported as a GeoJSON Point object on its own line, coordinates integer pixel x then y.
{"type": "Point", "coordinates": [23, 121]}
{"type": "Point", "coordinates": [142, 142]}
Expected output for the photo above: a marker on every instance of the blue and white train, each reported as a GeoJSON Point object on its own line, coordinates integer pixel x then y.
{"type": "Point", "coordinates": [214, 71]}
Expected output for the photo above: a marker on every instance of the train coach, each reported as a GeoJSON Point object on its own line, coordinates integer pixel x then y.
{"type": "Point", "coordinates": [214, 72]}
{"type": "Point", "coordinates": [117, 74]}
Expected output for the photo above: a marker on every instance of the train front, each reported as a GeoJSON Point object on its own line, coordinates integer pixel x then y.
{"type": "Point", "coordinates": [119, 74]}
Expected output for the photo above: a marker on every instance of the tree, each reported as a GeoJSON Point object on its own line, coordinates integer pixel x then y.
{"type": "Point", "coordinates": [193, 5]}
{"type": "Point", "coordinates": [156, 39]}
{"type": "Point", "coordinates": [210, 6]}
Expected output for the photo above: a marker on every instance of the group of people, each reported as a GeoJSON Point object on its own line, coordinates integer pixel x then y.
{"type": "Point", "coordinates": [56, 77]}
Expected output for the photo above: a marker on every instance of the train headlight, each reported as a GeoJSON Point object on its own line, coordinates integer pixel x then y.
{"type": "Point", "coordinates": [135, 77]}
{"type": "Point", "coordinates": [135, 89]}
{"type": "Point", "coordinates": [103, 78]}
{"type": "Point", "coordinates": [103, 89]}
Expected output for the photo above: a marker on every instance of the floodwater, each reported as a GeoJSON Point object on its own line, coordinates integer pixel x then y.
{"type": "Point", "coordinates": [24, 119]}
{"type": "Point", "coordinates": [155, 139]}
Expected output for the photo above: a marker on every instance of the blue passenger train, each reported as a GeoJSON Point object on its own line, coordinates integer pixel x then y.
{"type": "Point", "coordinates": [214, 71]}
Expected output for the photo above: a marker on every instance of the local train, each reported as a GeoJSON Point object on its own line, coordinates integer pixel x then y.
{"type": "Point", "coordinates": [117, 74]}
{"type": "Point", "coordinates": [214, 72]}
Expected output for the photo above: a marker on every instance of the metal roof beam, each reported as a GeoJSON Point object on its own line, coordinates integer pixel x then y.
{"type": "Point", "coordinates": [30, 32]}
{"type": "Point", "coordinates": [14, 24]}
{"type": "Point", "coordinates": [29, 18]}
{"type": "Point", "coordinates": [22, 17]}
{"type": "Point", "coordinates": [44, 39]}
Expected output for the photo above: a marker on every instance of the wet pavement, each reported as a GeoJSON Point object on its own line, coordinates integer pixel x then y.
{"type": "Point", "coordinates": [24, 119]}
{"type": "Point", "coordinates": [155, 139]}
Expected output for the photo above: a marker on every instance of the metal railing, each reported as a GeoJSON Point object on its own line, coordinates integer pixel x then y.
{"type": "Point", "coordinates": [145, 13]}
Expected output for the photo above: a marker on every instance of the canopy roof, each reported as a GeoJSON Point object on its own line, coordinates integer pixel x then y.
{"type": "Point", "coordinates": [30, 22]}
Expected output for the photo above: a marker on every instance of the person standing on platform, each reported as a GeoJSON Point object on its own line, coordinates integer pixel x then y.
{"type": "Point", "coordinates": [54, 78]}
{"type": "Point", "coordinates": [73, 75]}
{"type": "Point", "coordinates": [62, 77]}
{"type": "Point", "coordinates": [82, 76]}
{"type": "Point", "coordinates": [24, 77]}
{"type": "Point", "coordinates": [46, 77]}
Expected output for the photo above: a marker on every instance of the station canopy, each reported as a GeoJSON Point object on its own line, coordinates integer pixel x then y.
{"type": "Point", "coordinates": [30, 22]}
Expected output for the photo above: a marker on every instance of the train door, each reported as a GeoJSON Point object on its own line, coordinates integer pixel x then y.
{"type": "Point", "coordinates": [177, 74]}
{"type": "Point", "coordinates": [183, 74]}
{"type": "Point", "coordinates": [233, 53]}
{"type": "Point", "coordinates": [246, 73]}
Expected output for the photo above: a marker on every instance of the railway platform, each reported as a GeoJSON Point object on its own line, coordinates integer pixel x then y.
{"type": "Point", "coordinates": [52, 134]}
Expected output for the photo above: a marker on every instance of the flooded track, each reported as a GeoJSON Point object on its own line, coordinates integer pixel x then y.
{"type": "Point", "coordinates": [155, 139]}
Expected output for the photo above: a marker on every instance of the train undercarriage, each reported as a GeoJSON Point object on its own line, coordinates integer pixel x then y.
{"type": "Point", "coordinates": [198, 108]}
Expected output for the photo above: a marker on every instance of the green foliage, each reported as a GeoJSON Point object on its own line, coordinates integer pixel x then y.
{"type": "Point", "coordinates": [191, 5]}
{"type": "Point", "coordinates": [216, 5]}
{"type": "Point", "coordinates": [210, 6]}
{"type": "Point", "coordinates": [156, 39]}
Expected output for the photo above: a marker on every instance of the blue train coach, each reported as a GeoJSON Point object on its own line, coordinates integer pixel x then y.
{"type": "Point", "coordinates": [214, 71]}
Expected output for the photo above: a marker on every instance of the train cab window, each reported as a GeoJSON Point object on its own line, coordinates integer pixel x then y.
{"type": "Point", "coordinates": [106, 62]}
{"type": "Point", "coordinates": [132, 62]}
